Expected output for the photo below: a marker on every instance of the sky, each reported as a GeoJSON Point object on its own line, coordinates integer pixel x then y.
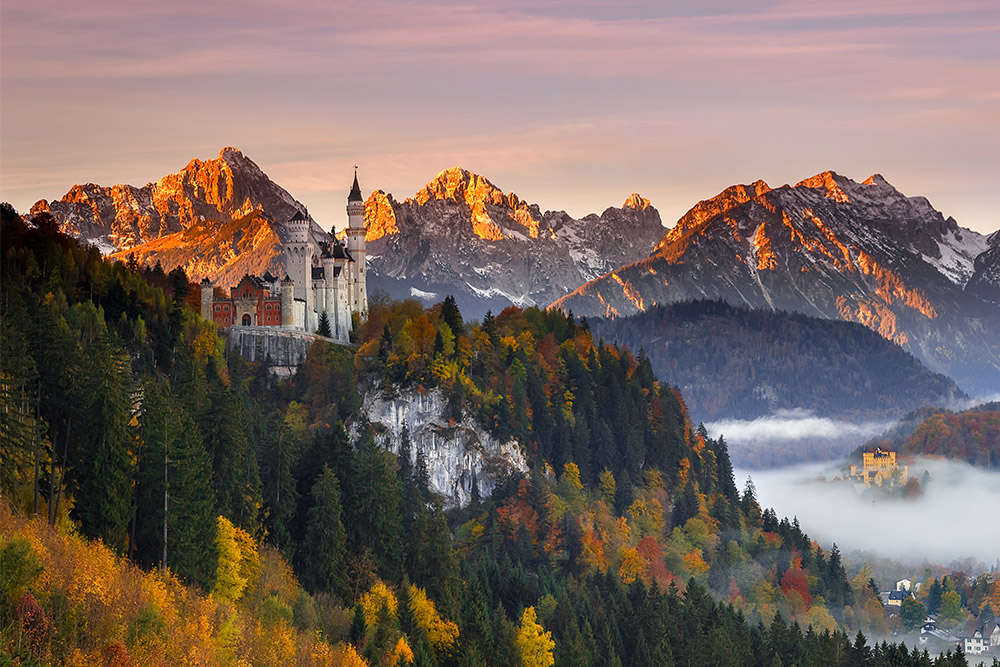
{"type": "Point", "coordinates": [571, 105]}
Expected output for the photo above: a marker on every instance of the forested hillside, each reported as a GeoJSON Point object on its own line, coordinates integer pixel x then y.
{"type": "Point", "coordinates": [773, 360]}
{"type": "Point", "coordinates": [970, 435]}
{"type": "Point", "coordinates": [125, 423]}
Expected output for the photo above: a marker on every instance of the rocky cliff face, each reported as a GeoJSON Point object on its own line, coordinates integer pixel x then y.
{"type": "Point", "coordinates": [985, 280]}
{"type": "Point", "coordinates": [456, 454]}
{"type": "Point", "coordinates": [831, 247]}
{"type": "Point", "coordinates": [463, 236]}
{"type": "Point", "coordinates": [217, 218]}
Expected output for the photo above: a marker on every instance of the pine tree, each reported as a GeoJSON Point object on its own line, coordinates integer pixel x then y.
{"type": "Point", "coordinates": [103, 477]}
{"type": "Point", "coordinates": [377, 517]}
{"type": "Point", "coordinates": [324, 550]}
{"type": "Point", "coordinates": [323, 327]}
{"type": "Point", "coordinates": [278, 485]}
{"type": "Point", "coordinates": [175, 503]}
{"type": "Point", "coordinates": [234, 463]}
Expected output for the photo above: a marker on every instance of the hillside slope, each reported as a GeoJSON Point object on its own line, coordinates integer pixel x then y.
{"type": "Point", "coordinates": [732, 362]}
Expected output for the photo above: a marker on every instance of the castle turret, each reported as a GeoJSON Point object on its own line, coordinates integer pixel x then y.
{"type": "Point", "coordinates": [298, 261]}
{"type": "Point", "coordinates": [356, 247]}
{"type": "Point", "coordinates": [287, 302]}
{"type": "Point", "coordinates": [207, 299]}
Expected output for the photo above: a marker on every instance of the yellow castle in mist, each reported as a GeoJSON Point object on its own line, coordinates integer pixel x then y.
{"type": "Point", "coordinates": [879, 469]}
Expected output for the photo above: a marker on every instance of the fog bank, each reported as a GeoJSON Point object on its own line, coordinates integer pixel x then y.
{"type": "Point", "coordinates": [955, 518]}
{"type": "Point", "coordinates": [791, 436]}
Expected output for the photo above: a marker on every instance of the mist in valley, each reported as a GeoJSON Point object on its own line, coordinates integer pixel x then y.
{"type": "Point", "coordinates": [792, 436]}
{"type": "Point", "coordinates": [954, 518]}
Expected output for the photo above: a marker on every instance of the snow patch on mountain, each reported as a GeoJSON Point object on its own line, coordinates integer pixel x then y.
{"type": "Point", "coordinates": [959, 249]}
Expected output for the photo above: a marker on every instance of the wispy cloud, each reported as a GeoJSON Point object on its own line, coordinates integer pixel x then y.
{"type": "Point", "coordinates": [797, 424]}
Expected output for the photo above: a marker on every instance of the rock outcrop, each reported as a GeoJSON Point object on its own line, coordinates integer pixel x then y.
{"type": "Point", "coordinates": [985, 280]}
{"type": "Point", "coordinates": [828, 247]}
{"type": "Point", "coordinates": [456, 453]}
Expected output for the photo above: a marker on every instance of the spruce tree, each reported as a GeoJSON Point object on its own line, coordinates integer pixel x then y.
{"type": "Point", "coordinates": [324, 550]}
{"type": "Point", "coordinates": [104, 472]}
{"type": "Point", "coordinates": [323, 327]}
{"type": "Point", "coordinates": [377, 516]}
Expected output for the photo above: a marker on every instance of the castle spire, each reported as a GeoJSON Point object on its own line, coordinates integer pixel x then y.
{"type": "Point", "coordinates": [355, 189]}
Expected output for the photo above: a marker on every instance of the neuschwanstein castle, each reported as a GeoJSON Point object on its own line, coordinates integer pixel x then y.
{"type": "Point", "coordinates": [322, 277]}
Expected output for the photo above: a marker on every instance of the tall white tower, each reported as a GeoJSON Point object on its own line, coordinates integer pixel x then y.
{"type": "Point", "coordinates": [298, 262]}
{"type": "Point", "coordinates": [358, 289]}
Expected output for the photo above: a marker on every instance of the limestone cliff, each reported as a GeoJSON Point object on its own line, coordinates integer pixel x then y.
{"type": "Point", "coordinates": [456, 453]}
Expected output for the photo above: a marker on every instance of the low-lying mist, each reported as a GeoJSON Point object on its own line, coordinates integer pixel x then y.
{"type": "Point", "coordinates": [954, 518]}
{"type": "Point", "coordinates": [791, 436]}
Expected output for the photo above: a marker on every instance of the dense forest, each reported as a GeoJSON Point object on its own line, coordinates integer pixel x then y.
{"type": "Point", "coordinates": [970, 435]}
{"type": "Point", "coordinates": [167, 503]}
{"type": "Point", "coordinates": [775, 360]}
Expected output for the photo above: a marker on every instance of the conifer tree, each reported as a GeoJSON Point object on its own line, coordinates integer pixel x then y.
{"type": "Point", "coordinates": [103, 479]}
{"type": "Point", "coordinates": [323, 326]}
{"type": "Point", "coordinates": [278, 484]}
{"type": "Point", "coordinates": [324, 550]}
{"type": "Point", "coordinates": [378, 514]}
{"type": "Point", "coordinates": [234, 463]}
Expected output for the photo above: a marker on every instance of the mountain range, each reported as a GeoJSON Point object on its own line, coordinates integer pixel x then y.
{"type": "Point", "coordinates": [459, 235]}
{"type": "Point", "coordinates": [463, 236]}
{"type": "Point", "coordinates": [827, 247]}
{"type": "Point", "coordinates": [832, 248]}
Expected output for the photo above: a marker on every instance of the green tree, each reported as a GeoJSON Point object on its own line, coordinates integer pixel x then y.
{"type": "Point", "coordinates": [104, 469]}
{"type": "Point", "coordinates": [934, 597]}
{"type": "Point", "coordinates": [377, 517]}
{"type": "Point", "coordinates": [324, 550]}
{"type": "Point", "coordinates": [234, 463]}
{"type": "Point", "coordinates": [278, 484]}
{"type": "Point", "coordinates": [912, 613]}
{"type": "Point", "coordinates": [175, 504]}
{"type": "Point", "coordinates": [951, 606]}
{"type": "Point", "coordinates": [323, 327]}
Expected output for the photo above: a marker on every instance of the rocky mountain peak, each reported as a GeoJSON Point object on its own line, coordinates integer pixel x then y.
{"type": "Point", "coordinates": [380, 217]}
{"type": "Point", "coordinates": [200, 200]}
{"type": "Point", "coordinates": [461, 186]}
{"type": "Point", "coordinates": [707, 209]}
{"type": "Point", "coordinates": [636, 202]}
{"type": "Point", "coordinates": [835, 186]}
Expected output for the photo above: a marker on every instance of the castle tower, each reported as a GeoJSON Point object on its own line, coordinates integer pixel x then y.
{"type": "Point", "coordinates": [356, 247]}
{"type": "Point", "coordinates": [207, 297]}
{"type": "Point", "coordinates": [287, 302]}
{"type": "Point", "coordinates": [298, 262]}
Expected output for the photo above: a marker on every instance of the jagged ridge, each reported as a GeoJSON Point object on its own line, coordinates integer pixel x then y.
{"type": "Point", "coordinates": [829, 247]}
{"type": "Point", "coordinates": [462, 235]}
{"type": "Point", "coordinates": [218, 218]}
